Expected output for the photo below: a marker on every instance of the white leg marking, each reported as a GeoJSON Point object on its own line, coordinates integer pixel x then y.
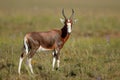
{"type": "Point", "coordinates": [53, 53]}
{"type": "Point", "coordinates": [26, 46]}
{"type": "Point", "coordinates": [20, 62]}
{"type": "Point", "coordinates": [30, 66]}
{"type": "Point", "coordinates": [53, 64]}
{"type": "Point", "coordinates": [56, 51]}
{"type": "Point", "coordinates": [58, 63]}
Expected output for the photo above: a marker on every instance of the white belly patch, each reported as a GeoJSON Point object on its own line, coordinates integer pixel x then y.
{"type": "Point", "coordinates": [42, 49]}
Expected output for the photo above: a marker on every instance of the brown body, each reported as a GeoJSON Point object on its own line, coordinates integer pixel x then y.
{"type": "Point", "coordinates": [48, 40]}
{"type": "Point", "coordinates": [42, 41]}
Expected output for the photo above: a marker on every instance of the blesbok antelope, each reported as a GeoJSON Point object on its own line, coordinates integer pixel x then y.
{"type": "Point", "coordinates": [50, 40]}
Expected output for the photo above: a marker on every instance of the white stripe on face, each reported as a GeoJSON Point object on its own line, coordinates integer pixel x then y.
{"type": "Point", "coordinates": [69, 27]}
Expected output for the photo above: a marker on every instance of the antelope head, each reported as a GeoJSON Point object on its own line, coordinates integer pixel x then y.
{"type": "Point", "coordinates": [68, 22]}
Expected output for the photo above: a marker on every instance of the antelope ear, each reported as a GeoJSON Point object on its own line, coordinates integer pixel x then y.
{"type": "Point", "coordinates": [62, 20]}
{"type": "Point", "coordinates": [75, 21]}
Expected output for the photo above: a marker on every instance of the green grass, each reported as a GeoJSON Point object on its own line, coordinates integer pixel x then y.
{"type": "Point", "coordinates": [91, 53]}
{"type": "Point", "coordinates": [84, 58]}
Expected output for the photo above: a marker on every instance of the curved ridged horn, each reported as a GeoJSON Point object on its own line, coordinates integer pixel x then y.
{"type": "Point", "coordinates": [63, 13]}
{"type": "Point", "coordinates": [72, 14]}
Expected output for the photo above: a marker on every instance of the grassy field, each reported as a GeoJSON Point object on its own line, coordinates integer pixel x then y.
{"type": "Point", "coordinates": [91, 53]}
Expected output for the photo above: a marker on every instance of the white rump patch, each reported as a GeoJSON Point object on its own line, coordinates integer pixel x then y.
{"type": "Point", "coordinates": [42, 49]}
{"type": "Point", "coordinates": [69, 27]}
{"type": "Point", "coordinates": [26, 46]}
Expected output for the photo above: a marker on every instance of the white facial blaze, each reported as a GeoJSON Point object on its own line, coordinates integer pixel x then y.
{"type": "Point", "coordinates": [69, 27]}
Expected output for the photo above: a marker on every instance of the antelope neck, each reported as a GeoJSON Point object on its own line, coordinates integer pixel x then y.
{"type": "Point", "coordinates": [65, 31]}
